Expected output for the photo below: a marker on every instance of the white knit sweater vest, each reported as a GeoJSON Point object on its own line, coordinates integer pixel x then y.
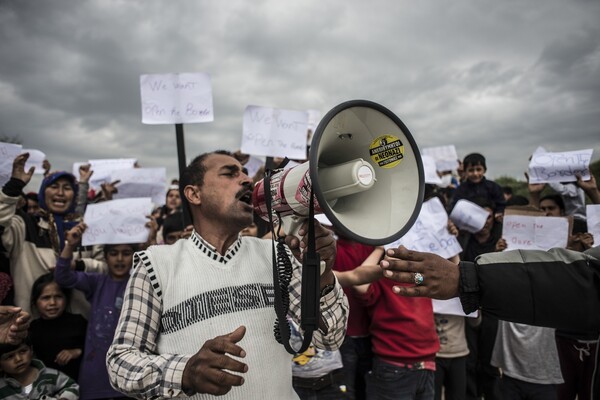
{"type": "Point", "coordinates": [205, 295]}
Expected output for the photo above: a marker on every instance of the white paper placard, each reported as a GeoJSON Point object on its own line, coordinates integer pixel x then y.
{"type": "Point", "coordinates": [8, 153]}
{"type": "Point", "coordinates": [275, 132]}
{"type": "Point", "coordinates": [430, 170]}
{"type": "Point", "coordinates": [141, 182]}
{"type": "Point", "coordinates": [592, 212]}
{"type": "Point", "coordinates": [117, 221]}
{"type": "Point", "coordinates": [103, 169]}
{"type": "Point", "coordinates": [547, 167]}
{"type": "Point", "coordinates": [176, 98]}
{"type": "Point", "coordinates": [430, 233]}
{"type": "Point", "coordinates": [446, 158]}
{"type": "Point", "coordinates": [468, 216]}
{"type": "Point", "coordinates": [36, 159]}
{"type": "Point", "coordinates": [537, 233]}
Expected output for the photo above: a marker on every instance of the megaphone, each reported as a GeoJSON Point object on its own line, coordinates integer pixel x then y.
{"type": "Point", "coordinates": [364, 170]}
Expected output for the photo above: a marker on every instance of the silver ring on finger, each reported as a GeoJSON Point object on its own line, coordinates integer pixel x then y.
{"type": "Point", "coordinates": [418, 278]}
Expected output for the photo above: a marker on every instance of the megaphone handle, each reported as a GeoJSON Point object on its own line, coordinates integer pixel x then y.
{"type": "Point", "coordinates": [291, 226]}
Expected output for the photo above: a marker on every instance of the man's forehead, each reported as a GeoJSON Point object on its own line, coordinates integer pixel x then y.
{"type": "Point", "coordinates": [216, 161]}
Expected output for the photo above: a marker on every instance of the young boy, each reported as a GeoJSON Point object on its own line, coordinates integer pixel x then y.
{"type": "Point", "coordinates": [24, 377]}
{"type": "Point", "coordinates": [476, 185]}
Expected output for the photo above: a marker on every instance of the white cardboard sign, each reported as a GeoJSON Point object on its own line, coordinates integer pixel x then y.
{"type": "Point", "coordinates": [430, 233]}
{"type": "Point", "coordinates": [469, 216]}
{"type": "Point", "coordinates": [36, 159]}
{"type": "Point", "coordinates": [446, 158]}
{"type": "Point", "coordinates": [430, 170]}
{"type": "Point", "coordinates": [176, 98]}
{"type": "Point", "coordinates": [592, 212]}
{"type": "Point", "coordinates": [8, 153]}
{"type": "Point", "coordinates": [275, 132]}
{"type": "Point", "coordinates": [117, 221]}
{"type": "Point", "coordinates": [537, 233]}
{"type": "Point", "coordinates": [103, 169]}
{"type": "Point", "coordinates": [547, 167]}
{"type": "Point", "coordinates": [141, 182]}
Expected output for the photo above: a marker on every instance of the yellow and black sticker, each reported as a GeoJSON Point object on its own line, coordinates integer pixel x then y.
{"type": "Point", "coordinates": [387, 151]}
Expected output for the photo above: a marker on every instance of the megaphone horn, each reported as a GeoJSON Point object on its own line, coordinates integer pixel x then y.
{"type": "Point", "coordinates": [365, 171]}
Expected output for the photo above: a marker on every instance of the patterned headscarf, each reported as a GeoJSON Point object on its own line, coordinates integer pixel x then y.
{"type": "Point", "coordinates": [59, 223]}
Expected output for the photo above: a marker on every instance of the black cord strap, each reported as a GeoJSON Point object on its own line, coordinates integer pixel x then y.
{"type": "Point", "coordinates": [282, 274]}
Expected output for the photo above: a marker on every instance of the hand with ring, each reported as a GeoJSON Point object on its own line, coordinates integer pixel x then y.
{"type": "Point", "coordinates": [433, 276]}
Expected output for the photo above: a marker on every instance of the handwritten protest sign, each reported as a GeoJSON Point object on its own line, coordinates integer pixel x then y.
{"type": "Point", "coordinates": [36, 159]}
{"type": "Point", "coordinates": [593, 221]}
{"type": "Point", "coordinates": [547, 167]}
{"type": "Point", "coordinates": [275, 132]}
{"type": "Point", "coordinates": [117, 221]}
{"type": "Point", "coordinates": [430, 170]}
{"type": "Point", "coordinates": [141, 182]}
{"type": "Point", "coordinates": [103, 169]}
{"type": "Point", "coordinates": [531, 232]}
{"type": "Point", "coordinates": [469, 216]}
{"type": "Point", "coordinates": [176, 98]}
{"type": "Point", "coordinates": [446, 158]}
{"type": "Point", "coordinates": [430, 232]}
{"type": "Point", "coordinates": [8, 152]}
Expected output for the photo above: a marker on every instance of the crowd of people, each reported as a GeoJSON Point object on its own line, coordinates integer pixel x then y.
{"type": "Point", "coordinates": [189, 312]}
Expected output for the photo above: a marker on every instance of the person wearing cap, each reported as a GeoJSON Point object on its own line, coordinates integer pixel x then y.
{"type": "Point", "coordinates": [34, 242]}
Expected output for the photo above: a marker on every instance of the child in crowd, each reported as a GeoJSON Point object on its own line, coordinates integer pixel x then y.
{"type": "Point", "coordinates": [24, 377]}
{"type": "Point", "coordinates": [57, 336]}
{"type": "Point", "coordinates": [105, 293]}
{"type": "Point", "coordinates": [476, 184]}
{"type": "Point", "coordinates": [32, 242]}
{"type": "Point", "coordinates": [404, 341]}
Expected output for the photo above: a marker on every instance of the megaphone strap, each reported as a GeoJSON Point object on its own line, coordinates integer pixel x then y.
{"type": "Point", "coordinates": [282, 274]}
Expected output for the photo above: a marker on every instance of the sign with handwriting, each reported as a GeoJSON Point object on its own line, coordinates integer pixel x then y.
{"type": "Point", "coordinates": [141, 182]}
{"type": "Point", "coordinates": [103, 169]}
{"type": "Point", "coordinates": [537, 233]}
{"type": "Point", "coordinates": [176, 98]}
{"type": "Point", "coordinates": [547, 167]}
{"type": "Point", "coordinates": [275, 132]}
{"type": "Point", "coordinates": [117, 221]}
{"type": "Point", "coordinates": [430, 233]}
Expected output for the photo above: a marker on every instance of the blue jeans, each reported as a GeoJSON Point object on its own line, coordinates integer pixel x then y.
{"type": "Point", "coordinates": [389, 382]}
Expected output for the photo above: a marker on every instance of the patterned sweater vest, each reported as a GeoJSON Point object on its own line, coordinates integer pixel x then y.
{"type": "Point", "coordinates": [205, 295]}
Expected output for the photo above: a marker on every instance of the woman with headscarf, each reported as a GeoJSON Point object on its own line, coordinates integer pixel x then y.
{"type": "Point", "coordinates": [34, 242]}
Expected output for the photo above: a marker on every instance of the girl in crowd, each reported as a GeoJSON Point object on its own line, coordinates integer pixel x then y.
{"type": "Point", "coordinates": [33, 242]}
{"type": "Point", "coordinates": [57, 335]}
{"type": "Point", "coordinates": [105, 294]}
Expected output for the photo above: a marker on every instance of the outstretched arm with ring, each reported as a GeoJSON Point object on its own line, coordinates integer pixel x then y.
{"type": "Point", "coordinates": [431, 275]}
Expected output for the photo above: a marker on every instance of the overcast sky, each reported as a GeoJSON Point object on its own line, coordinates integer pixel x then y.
{"type": "Point", "coordinates": [496, 77]}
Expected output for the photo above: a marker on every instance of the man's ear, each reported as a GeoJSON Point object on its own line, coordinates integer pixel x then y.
{"type": "Point", "coordinates": [192, 195]}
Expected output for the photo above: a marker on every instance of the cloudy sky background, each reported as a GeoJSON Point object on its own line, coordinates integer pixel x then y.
{"type": "Point", "coordinates": [496, 77]}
